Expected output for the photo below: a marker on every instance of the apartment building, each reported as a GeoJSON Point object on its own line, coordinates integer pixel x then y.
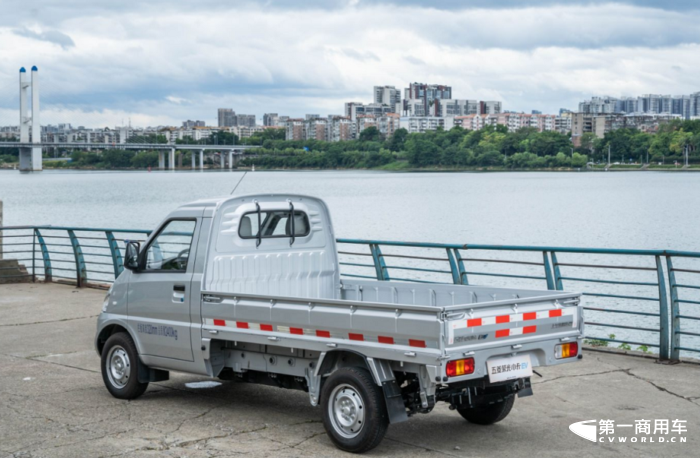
{"type": "Point", "coordinates": [421, 124]}
{"type": "Point", "coordinates": [472, 121]}
{"type": "Point", "coordinates": [458, 107]}
{"type": "Point", "coordinates": [388, 95]}
{"type": "Point", "coordinates": [295, 129]}
{"type": "Point", "coordinates": [270, 119]}
{"type": "Point", "coordinates": [490, 107]}
{"type": "Point", "coordinates": [340, 128]}
{"type": "Point", "coordinates": [429, 94]}
{"type": "Point", "coordinates": [189, 124]}
{"type": "Point", "coordinates": [315, 129]}
{"type": "Point", "coordinates": [562, 123]}
{"type": "Point", "coordinates": [355, 109]}
{"type": "Point", "coordinates": [683, 105]}
{"type": "Point", "coordinates": [389, 124]}
{"type": "Point", "coordinates": [227, 117]}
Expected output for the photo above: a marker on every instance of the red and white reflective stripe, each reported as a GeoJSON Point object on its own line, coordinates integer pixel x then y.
{"type": "Point", "coordinates": [516, 331]}
{"type": "Point", "coordinates": [515, 318]}
{"type": "Point", "coordinates": [323, 333]}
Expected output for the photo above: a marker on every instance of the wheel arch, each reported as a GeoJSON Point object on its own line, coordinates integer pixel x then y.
{"type": "Point", "coordinates": [106, 332]}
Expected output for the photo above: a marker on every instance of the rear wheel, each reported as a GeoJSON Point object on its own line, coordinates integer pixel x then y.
{"type": "Point", "coordinates": [488, 414]}
{"type": "Point", "coordinates": [354, 414]}
{"type": "Point", "coordinates": [120, 367]}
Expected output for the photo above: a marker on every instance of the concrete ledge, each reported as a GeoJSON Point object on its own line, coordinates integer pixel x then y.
{"type": "Point", "coordinates": [11, 271]}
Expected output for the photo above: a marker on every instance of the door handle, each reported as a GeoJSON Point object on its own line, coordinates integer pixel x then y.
{"type": "Point", "coordinates": [180, 288]}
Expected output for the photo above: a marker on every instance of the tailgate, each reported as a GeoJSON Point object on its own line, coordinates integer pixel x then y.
{"type": "Point", "coordinates": [506, 322]}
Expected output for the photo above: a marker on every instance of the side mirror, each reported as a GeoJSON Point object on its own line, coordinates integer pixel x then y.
{"type": "Point", "coordinates": [131, 256]}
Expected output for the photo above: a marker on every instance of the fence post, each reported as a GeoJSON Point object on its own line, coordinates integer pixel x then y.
{"type": "Point", "coordinates": [80, 268]}
{"type": "Point", "coordinates": [557, 273]}
{"type": "Point", "coordinates": [547, 271]}
{"type": "Point", "coordinates": [48, 274]}
{"type": "Point", "coordinates": [379, 265]}
{"type": "Point", "coordinates": [675, 311]}
{"type": "Point", "coordinates": [117, 261]}
{"type": "Point", "coordinates": [453, 267]}
{"type": "Point", "coordinates": [462, 270]}
{"type": "Point", "coordinates": [664, 353]}
{"type": "Point", "coordinates": [33, 257]}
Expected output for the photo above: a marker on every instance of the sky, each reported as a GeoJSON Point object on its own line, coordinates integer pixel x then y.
{"type": "Point", "coordinates": [162, 62]}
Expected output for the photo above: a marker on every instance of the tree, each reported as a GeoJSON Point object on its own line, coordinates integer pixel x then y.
{"type": "Point", "coordinates": [397, 141]}
{"type": "Point", "coordinates": [371, 134]}
{"type": "Point", "coordinates": [421, 151]}
{"type": "Point", "coordinates": [117, 158]}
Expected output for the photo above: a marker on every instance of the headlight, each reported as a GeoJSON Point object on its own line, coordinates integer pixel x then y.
{"type": "Point", "coordinates": [105, 303]}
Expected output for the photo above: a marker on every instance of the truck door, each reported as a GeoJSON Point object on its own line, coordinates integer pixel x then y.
{"type": "Point", "coordinates": [159, 293]}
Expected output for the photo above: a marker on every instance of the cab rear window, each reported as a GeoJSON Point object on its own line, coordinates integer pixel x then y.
{"type": "Point", "coordinates": [271, 224]}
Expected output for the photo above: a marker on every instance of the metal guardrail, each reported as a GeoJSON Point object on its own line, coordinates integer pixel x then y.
{"type": "Point", "coordinates": [614, 293]}
{"type": "Point", "coordinates": [630, 297]}
{"type": "Point", "coordinates": [85, 256]}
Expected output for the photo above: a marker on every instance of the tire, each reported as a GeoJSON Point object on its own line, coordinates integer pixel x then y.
{"type": "Point", "coordinates": [354, 412]}
{"type": "Point", "coordinates": [120, 367]}
{"type": "Point", "coordinates": [489, 414]}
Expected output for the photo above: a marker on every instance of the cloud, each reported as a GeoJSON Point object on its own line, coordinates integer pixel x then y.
{"type": "Point", "coordinates": [52, 36]}
{"type": "Point", "coordinates": [177, 100]}
{"type": "Point", "coordinates": [164, 65]}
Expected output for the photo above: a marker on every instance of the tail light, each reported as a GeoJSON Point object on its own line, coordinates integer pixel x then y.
{"type": "Point", "coordinates": [458, 367]}
{"type": "Point", "coordinates": [567, 350]}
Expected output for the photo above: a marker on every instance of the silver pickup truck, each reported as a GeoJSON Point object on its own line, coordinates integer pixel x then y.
{"type": "Point", "coordinates": [248, 289]}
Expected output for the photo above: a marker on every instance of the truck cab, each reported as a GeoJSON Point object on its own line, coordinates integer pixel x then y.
{"type": "Point", "coordinates": [249, 288]}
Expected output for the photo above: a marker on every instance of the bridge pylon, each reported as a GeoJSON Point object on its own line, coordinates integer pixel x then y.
{"type": "Point", "coordinates": [29, 157]}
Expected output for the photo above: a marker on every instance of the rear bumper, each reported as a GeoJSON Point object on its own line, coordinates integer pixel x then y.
{"type": "Point", "coordinates": [479, 392]}
{"type": "Point", "coordinates": [541, 353]}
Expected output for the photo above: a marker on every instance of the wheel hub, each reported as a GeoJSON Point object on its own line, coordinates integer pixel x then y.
{"type": "Point", "coordinates": [118, 367]}
{"type": "Point", "coordinates": [347, 411]}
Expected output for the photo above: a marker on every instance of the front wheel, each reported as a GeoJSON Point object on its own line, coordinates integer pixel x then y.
{"type": "Point", "coordinates": [354, 413]}
{"type": "Point", "coordinates": [120, 367]}
{"type": "Point", "coordinates": [488, 414]}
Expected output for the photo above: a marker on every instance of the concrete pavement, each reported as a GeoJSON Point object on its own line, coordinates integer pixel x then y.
{"type": "Point", "coordinates": [53, 402]}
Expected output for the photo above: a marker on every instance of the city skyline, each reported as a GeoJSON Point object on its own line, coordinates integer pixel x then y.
{"type": "Point", "coordinates": [104, 64]}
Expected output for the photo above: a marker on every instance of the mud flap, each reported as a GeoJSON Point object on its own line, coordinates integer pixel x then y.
{"type": "Point", "coordinates": [147, 374]}
{"type": "Point", "coordinates": [394, 402]}
{"type": "Point", "coordinates": [525, 389]}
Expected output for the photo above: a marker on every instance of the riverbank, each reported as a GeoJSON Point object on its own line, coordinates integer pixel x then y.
{"type": "Point", "coordinates": [392, 167]}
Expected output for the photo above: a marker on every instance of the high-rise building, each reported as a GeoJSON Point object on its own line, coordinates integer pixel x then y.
{"type": "Point", "coordinates": [695, 105]}
{"type": "Point", "coordinates": [227, 117]}
{"type": "Point", "coordinates": [388, 95]}
{"type": "Point", "coordinates": [682, 105]}
{"type": "Point", "coordinates": [270, 119]}
{"type": "Point", "coordinates": [490, 107]}
{"type": "Point", "coordinates": [244, 120]}
{"type": "Point", "coordinates": [429, 94]}
{"type": "Point", "coordinates": [189, 124]}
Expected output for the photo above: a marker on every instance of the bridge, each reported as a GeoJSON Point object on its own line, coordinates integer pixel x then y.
{"type": "Point", "coordinates": [30, 152]}
{"type": "Point", "coordinates": [230, 155]}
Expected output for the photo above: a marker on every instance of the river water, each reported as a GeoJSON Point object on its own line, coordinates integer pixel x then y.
{"type": "Point", "coordinates": [642, 210]}
{"type": "Point", "coordinates": [651, 210]}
